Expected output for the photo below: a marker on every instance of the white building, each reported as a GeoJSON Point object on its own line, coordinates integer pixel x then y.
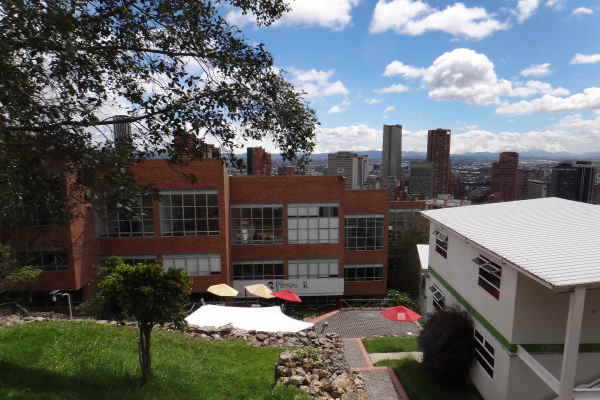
{"type": "Point", "coordinates": [528, 272]}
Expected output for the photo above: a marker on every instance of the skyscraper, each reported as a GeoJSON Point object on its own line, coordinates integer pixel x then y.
{"type": "Point", "coordinates": [573, 182]}
{"type": "Point", "coordinates": [258, 161]}
{"type": "Point", "coordinates": [349, 165]}
{"type": "Point", "coordinates": [504, 176]}
{"type": "Point", "coordinates": [420, 182]}
{"type": "Point", "coordinates": [392, 152]}
{"type": "Point", "coordinates": [438, 153]}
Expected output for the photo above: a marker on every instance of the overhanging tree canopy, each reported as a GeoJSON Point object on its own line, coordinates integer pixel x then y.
{"type": "Point", "coordinates": [172, 65]}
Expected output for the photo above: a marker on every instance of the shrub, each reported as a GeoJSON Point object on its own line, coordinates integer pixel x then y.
{"type": "Point", "coordinates": [397, 298]}
{"type": "Point", "coordinates": [448, 346]}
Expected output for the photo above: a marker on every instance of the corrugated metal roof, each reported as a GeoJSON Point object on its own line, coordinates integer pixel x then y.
{"type": "Point", "coordinates": [555, 240]}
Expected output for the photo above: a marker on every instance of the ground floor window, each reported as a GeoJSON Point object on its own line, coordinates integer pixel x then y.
{"type": "Point", "coordinates": [484, 353]}
{"type": "Point", "coordinates": [439, 300]}
{"type": "Point", "coordinates": [258, 270]}
{"type": "Point", "coordinates": [363, 272]}
{"type": "Point", "coordinates": [306, 269]}
{"type": "Point", "coordinates": [194, 264]}
{"type": "Point", "coordinates": [47, 260]}
{"type": "Point", "coordinates": [138, 259]}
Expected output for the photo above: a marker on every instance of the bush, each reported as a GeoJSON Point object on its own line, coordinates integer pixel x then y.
{"type": "Point", "coordinates": [397, 298]}
{"type": "Point", "coordinates": [448, 346]}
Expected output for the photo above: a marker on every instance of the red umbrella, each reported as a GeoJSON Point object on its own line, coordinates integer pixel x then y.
{"type": "Point", "coordinates": [287, 295]}
{"type": "Point", "coordinates": [400, 313]}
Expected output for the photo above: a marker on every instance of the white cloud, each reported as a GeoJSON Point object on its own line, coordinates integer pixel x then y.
{"type": "Point", "coordinates": [338, 108]}
{"type": "Point", "coordinates": [373, 100]}
{"type": "Point", "coordinates": [526, 8]}
{"type": "Point", "coordinates": [398, 68]}
{"type": "Point", "coordinates": [332, 14]}
{"type": "Point", "coordinates": [317, 83]}
{"type": "Point", "coordinates": [555, 3]}
{"type": "Point", "coordinates": [399, 88]}
{"type": "Point", "coordinates": [388, 110]}
{"type": "Point", "coordinates": [583, 11]}
{"type": "Point", "coordinates": [415, 17]}
{"type": "Point", "coordinates": [585, 59]}
{"type": "Point", "coordinates": [538, 70]}
{"type": "Point", "coordinates": [588, 99]}
{"type": "Point", "coordinates": [465, 75]}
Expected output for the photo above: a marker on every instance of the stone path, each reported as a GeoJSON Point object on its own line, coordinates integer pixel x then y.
{"type": "Point", "coordinates": [363, 323]}
{"type": "Point", "coordinates": [376, 357]}
{"type": "Point", "coordinates": [381, 382]}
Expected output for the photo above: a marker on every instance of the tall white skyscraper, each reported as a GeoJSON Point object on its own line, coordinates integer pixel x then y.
{"type": "Point", "coordinates": [392, 152]}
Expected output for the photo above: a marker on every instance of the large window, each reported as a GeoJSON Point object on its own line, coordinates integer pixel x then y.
{"type": "Point", "coordinates": [306, 269]}
{"type": "Point", "coordinates": [47, 260]}
{"type": "Point", "coordinates": [439, 300]}
{"type": "Point", "coordinates": [256, 224]}
{"type": "Point", "coordinates": [484, 353]}
{"type": "Point", "coordinates": [258, 270]}
{"type": "Point", "coordinates": [490, 275]}
{"type": "Point", "coordinates": [441, 243]}
{"type": "Point", "coordinates": [363, 272]}
{"type": "Point", "coordinates": [364, 232]}
{"type": "Point", "coordinates": [189, 213]}
{"type": "Point", "coordinates": [138, 259]}
{"type": "Point", "coordinates": [195, 264]}
{"type": "Point", "coordinates": [139, 222]}
{"type": "Point", "coordinates": [313, 223]}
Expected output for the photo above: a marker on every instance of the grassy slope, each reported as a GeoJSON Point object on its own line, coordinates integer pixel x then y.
{"type": "Point", "coordinates": [390, 344]}
{"type": "Point", "coordinates": [86, 361]}
{"type": "Point", "coordinates": [420, 386]}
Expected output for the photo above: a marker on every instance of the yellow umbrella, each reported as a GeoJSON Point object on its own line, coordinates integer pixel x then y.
{"type": "Point", "coordinates": [260, 290]}
{"type": "Point", "coordinates": [222, 290]}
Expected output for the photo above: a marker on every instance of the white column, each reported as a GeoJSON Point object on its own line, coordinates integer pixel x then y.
{"type": "Point", "coordinates": [572, 338]}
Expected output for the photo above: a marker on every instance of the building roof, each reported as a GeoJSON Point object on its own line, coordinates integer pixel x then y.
{"type": "Point", "coordinates": [555, 241]}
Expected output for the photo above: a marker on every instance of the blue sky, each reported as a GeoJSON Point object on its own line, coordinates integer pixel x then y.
{"type": "Point", "coordinates": [518, 75]}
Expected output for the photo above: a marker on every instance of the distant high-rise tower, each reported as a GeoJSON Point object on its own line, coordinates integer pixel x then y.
{"type": "Point", "coordinates": [349, 165]}
{"type": "Point", "coordinates": [573, 182]}
{"type": "Point", "coordinates": [258, 161]}
{"type": "Point", "coordinates": [421, 178]}
{"type": "Point", "coordinates": [438, 153]}
{"type": "Point", "coordinates": [504, 176]}
{"type": "Point", "coordinates": [121, 129]}
{"type": "Point", "coordinates": [392, 152]}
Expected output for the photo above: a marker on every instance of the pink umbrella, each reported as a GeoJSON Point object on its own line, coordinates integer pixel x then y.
{"type": "Point", "coordinates": [401, 314]}
{"type": "Point", "coordinates": [287, 295]}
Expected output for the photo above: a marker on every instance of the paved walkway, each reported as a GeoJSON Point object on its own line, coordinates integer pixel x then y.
{"type": "Point", "coordinates": [381, 382]}
{"type": "Point", "coordinates": [364, 323]}
{"type": "Point", "coordinates": [376, 357]}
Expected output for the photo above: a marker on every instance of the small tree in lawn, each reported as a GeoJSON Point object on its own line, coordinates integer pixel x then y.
{"type": "Point", "coordinates": [448, 346]}
{"type": "Point", "coordinates": [148, 294]}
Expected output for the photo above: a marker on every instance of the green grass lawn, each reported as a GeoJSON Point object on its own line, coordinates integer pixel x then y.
{"type": "Point", "coordinates": [390, 344]}
{"type": "Point", "coordinates": [420, 386]}
{"type": "Point", "coordinates": [90, 362]}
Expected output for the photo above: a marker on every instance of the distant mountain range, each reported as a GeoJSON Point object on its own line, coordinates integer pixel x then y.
{"type": "Point", "coordinates": [415, 155]}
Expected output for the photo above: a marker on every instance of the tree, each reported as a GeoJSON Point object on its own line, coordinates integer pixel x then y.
{"type": "Point", "coordinates": [170, 66]}
{"type": "Point", "coordinates": [448, 346]}
{"type": "Point", "coordinates": [150, 295]}
{"type": "Point", "coordinates": [12, 274]}
{"type": "Point", "coordinates": [397, 298]}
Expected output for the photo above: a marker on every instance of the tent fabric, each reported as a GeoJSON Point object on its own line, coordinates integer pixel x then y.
{"type": "Point", "coordinates": [401, 314]}
{"type": "Point", "coordinates": [260, 290]}
{"type": "Point", "coordinates": [265, 319]}
{"type": "Point", "coordinates": [222, 290]}
{"type": "Point", "coordinates": [288, 295]}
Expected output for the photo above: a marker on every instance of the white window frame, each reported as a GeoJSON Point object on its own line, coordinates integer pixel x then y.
{"type": "Point", "coordinates": [485, 264]}
{"type": "Point", "coordinates": [367, 230]}
{"type": "Point", "coordinates": [438, 297]}
{"type": "Point", "coordinates": [194, 264]}
{"type": "Point", "coordinates": [441, 240]}
{"type": "Point", "coordinates": [484, 348]}
{"type": "Point", "coordinates": [349, 267]}
{"type": "Point", "coordinates": [203, 222]}
{"type": "Point", "coordinates": [237, 231]}
{"type": "Point", "coordinates": [313, 269]}
{"type": "Point", "coordinates": [109, 221]}
{"type": "Point", "coordinates": [306, 226]}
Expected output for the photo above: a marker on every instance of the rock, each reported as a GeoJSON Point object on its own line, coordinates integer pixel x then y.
{"type": "Point", "coordinates": [297, 380]}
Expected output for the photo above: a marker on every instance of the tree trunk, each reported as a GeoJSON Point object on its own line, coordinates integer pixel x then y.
{"type": "Point", "coordinates": [144, 351]}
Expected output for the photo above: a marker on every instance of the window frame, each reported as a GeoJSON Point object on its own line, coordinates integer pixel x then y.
{"type": "Point", "coordinates": [313, 269]}
{"type": "Point", "coordinates": [202, 218]}
{"type": "Point", "coordinates": [187, 258]}
{"type": "Point", "coordinates": [484, 351]}
{"type": "Point", "coordinates": [56, 254]}
{"type": "Point", "coordinates": [256, 265]}
{"type": "Point", "coordinates": [313, 223]}
{"type": "Point", "coordinates": [438, 297]}
{"type": "Point", "coordinates": [363, 226]}
{"type": "Point", "coordinates": [109, 221]}
{"type": "Point", "coordinates": [257, 223]}
{"type": "Point", "coordinates": [364, 275]}
{"type": "Point", "coordinates": [491, 271]}
{"type": "Point", "coordinates": [441, 243]}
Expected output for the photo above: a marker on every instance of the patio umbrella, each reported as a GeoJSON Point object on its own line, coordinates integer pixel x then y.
{"type": "Point", "coordinates": [288, 295]}
{"type": "Point", "coordinates": [222, 290]}
{"type": "Point", "coordinates": [260, 290]}
{"type": "Point", "coordinates": [401, 314]}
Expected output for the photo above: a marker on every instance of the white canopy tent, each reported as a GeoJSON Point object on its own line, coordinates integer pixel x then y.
{"type": "Point", "coordinates": [266, 319]}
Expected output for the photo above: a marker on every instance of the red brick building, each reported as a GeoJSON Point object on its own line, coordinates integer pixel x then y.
{"type": "Point", "coordinates": [438, 153]}
{"type": "Point", "coordinates": [258, 162]}
{"type": "Point", "coordinates": [305, 233]}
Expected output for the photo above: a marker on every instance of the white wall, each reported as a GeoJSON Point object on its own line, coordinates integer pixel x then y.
{"type": "Point", "coordinates": [541, 315]}
{"type": "Point", "coordinates": [462, 273]}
